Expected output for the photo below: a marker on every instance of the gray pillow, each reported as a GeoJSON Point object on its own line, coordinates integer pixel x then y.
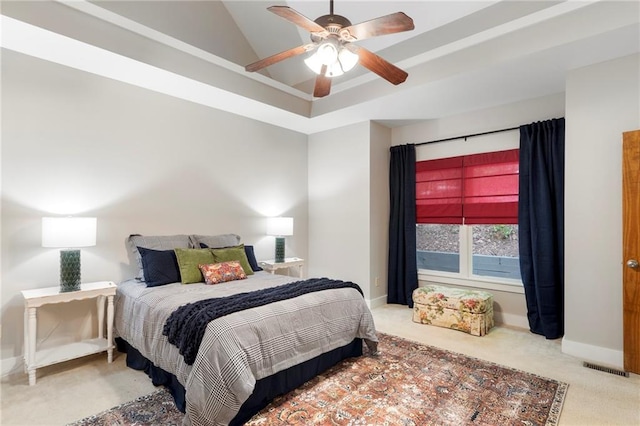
{"type": "Point", "coordinates": [216, 241]}
{"type": "Point", "coordinates": [155, 242]}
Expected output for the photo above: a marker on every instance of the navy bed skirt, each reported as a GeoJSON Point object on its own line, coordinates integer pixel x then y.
{"type": "Point", "coordinates": [266, 389]}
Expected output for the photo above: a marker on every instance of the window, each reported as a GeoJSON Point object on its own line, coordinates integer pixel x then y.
{"type": "Point", "coordinates": [467, 214]}
{"type": "Point", "coordinates": [495, 251]}
{"type": "Point", "coordinates": [438, 247]}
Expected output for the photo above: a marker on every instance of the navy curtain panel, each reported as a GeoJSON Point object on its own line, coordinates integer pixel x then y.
{"type": "Point", "coordinates": [541, 225]}
{"type": "Point", "coordinates": [403, 268]}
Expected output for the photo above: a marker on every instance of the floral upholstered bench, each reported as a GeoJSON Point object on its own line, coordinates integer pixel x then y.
{"type": "Point", "coordinates": [470, 311]}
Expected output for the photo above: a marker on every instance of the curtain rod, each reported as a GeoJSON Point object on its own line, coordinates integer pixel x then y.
{"type": "Point", "coordinates": [469, 136]}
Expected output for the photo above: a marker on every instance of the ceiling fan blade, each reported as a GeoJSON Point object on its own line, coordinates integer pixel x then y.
{"type": "Point", "coordinates": [323, 84]}
{"type": "Point", "coordinates": [262, 63]}
{"type": "Point", "coordinates": [297, 18]}
{"type": "Point", "coordinates": [380, 66]}
{"type": "Point", "coordinates": [388, 24]}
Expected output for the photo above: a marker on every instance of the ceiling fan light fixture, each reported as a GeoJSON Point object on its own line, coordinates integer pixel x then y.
{"type": "Point", "coordinates": [313, 63]}
{"type": "Point", "coordinates": [325, 54]}
{"type": "Point", "coordinates": [336, 57]}
{"type": "Point", "coordinates": [347, 59]}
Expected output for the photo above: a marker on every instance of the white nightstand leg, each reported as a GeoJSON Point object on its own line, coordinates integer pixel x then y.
{"type": "Point", "coordinates": [110, 328]}
{"type": "Point", "coordinates": [31, 353]}
{"type": "Point", "coordinates": [100, 302]}
{"type": "Point", "coordinates": [25, 339]}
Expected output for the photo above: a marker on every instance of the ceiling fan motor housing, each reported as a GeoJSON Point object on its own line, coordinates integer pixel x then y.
{"type": "Point", "coordinates": [333, 24]}
{"type": "Point", "coordinates": [335, 21]}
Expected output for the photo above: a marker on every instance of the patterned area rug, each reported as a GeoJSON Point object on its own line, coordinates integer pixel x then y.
{"type": "Point", "coordinates": [407, 384]}
{"type": "Point", "coordinates": [157, 408]}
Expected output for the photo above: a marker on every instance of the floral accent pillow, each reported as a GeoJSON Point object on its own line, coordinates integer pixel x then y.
{"type": "Point", "coordinates": [215, 273]}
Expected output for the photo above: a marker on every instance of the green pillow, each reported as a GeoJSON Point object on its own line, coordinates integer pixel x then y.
{"type": "Point", "coordinates": [233, 253]}
{"type": "Point", "coordinates": [188, 261]}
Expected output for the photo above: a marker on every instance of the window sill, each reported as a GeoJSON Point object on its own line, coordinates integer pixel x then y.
{"type": "Point", "coordinates": [479, 283]}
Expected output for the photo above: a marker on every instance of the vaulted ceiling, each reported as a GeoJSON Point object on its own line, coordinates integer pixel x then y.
{"type": "Point", "coordinates": [461, 56]}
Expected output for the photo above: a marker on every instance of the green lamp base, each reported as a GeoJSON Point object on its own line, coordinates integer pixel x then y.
{"type": "Point", "coordinates": [279, 249]}
{"type": "Point", "coordinates": [69, 270]}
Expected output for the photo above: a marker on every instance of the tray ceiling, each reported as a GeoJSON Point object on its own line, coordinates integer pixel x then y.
{"type": "Point", "coordinates": [462, 55]}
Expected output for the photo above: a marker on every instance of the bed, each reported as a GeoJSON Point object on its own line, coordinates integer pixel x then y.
{"type": "Point", "coordinates": [246, 357]}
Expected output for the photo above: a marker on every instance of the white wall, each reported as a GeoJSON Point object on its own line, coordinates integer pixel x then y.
{"type": "Point", "coordinates": [379, 208]}
{"type": "Point", "coordinates": [509, 306]}
{"type": "Point", "coordinates": [339, 200]}
{"type": "Point", "coordinates": [603, 101]}
{"type": "Point", "coordinates": [349, 206]}
{"type": "Point", "coordinates": [141, 162]}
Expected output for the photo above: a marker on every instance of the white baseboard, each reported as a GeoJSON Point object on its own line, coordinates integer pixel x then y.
{"type": "Point", "coordinates": [377, 302]}
{"type": "Point", "coordinates": [595, 354]}
{"type": "Point", "coordinates": [511, 320]}
{"type": "Point", "coordinates": [11, 366]}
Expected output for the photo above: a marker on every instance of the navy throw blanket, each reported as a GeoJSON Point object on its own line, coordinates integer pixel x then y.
{"type": "Point", "coordinates": [185, 327]}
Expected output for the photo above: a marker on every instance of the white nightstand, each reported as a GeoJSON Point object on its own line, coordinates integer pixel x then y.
{"type": "Point", "coordinates": [33, 299]}
{"type": "Point", "coordinates": [289, 262]}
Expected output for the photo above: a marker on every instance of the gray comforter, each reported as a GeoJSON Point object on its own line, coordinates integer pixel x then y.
{"type": "Point", "coordinates": [241, 348]}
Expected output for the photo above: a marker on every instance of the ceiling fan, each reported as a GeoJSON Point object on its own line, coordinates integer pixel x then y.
{"type": "Point", "coordinates": [332, 38]}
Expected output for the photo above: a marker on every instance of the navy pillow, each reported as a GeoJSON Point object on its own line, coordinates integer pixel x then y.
{"type": "Point", "coordinates": [251, 257]}
{"type": "Point", "coordinates": [160, 267]}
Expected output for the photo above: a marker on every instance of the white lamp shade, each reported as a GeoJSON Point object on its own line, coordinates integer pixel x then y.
{"type": "Point", "coordinates": [280, 226]}
{"type": "Point", "coordinates": [69, 231]}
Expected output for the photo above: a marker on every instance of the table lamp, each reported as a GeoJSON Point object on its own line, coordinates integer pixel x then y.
{"type": "Point", "coordinates": [69, 233]}
{"type": "Point", "coordinates": [280, 227]}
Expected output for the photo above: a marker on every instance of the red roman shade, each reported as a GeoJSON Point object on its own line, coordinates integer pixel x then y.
{"type": "Point", "coordinates": [472, 189]}
{"type": "Point", "coordinates": [439, 191]}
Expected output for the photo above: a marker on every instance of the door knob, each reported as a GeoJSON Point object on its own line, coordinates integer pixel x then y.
{"type": "Point", "coordinates": [632, 263]}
